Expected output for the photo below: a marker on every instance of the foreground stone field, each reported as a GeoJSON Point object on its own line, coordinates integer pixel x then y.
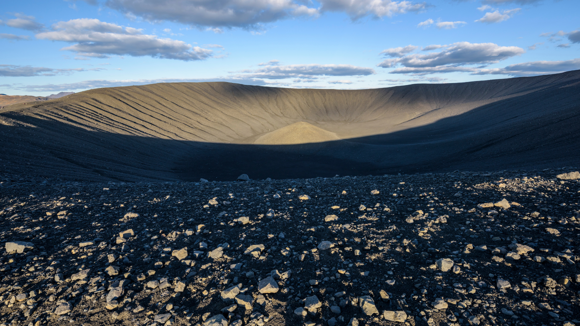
{"type": "Point", "coordinates": [432, 249]}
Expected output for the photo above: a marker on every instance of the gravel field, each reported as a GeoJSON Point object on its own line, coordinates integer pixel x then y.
{"type": "Point", "coordinates": [459, 248]}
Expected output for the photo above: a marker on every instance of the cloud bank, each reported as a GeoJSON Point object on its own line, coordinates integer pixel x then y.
{"type": "Point", "coordinates": [453, 58]}
{"type": "Point", "coordinates": [93, 38]}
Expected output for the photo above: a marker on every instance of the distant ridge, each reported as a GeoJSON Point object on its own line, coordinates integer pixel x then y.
{"type": "Point", "coordinates": [185, 131]}
{"type": "Point", "coordinates": [6, 100]}
{"type": "Point", "coordinates": [59, 95]}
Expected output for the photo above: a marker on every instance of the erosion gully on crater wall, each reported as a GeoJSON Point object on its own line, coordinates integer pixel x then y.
{"type": "Point", "coordinates": [218, 131]}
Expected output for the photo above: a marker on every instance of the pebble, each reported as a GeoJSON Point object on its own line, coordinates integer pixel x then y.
{"type": "Point", "coordinates": [444, 264]}
{"type": "Point", "coordinates": [63, 308]}
{"type": "Point", "coordinates": [368, 306]}
{"type": "Point", "coordinates": [217, 320]}
{"type": "Point", "coordinates": [395, 316]}
{"type": "Point", "coordinates": [312, 303]}
{"type": "Point", "coordinates": [19, 247]}
{"type": "Point", "coordinates": [230, 293]}
{"type": "Point", "coordinates": [268, 285]}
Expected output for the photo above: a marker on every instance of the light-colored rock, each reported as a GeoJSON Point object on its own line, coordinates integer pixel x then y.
{"type": "Point", "coordinates": [162, 318]}
{"type": "Point", "coordinates": [114, 294]}
{"type": "Point", "coordinates": [63, 309]}
{"type": "Point", "coordinates": [312, 303]}
{"type": "Point", "coordinates": [13, 247]}
{"type": "Point", "coordinates": [396, 316]}
{"type": "Point", "coordinates": [503, 284]}
{"type": "Point", "coordinates": [304, 197]}
{"type": "Point", "coordinates": [255, 250]}
{"type": "Point", "coordinates": [230, 293]}
{"type": "Point", "coordinates": [217, 320]}
{"type": "Point", "coordinates": [440, 304]}
{"type": "Point", "coordinates": [86, 244]}
{"type": "Point", "coordinates": [180, 254]}
{"type": "Point", "coordinates": [179, 286]}
{"type": "Point", "coordinates": [112, 270]}
{"type": "Point", "coordinates": [553, 231]}
{"type": "Point", "coordinates": [503, 204]}
{"type": "Point", "coordinates": [245, 301]}
{"type": "Point", "coordinates": [216, 253]}
{"type": "Point", "coordinates": [368, 306]}
{"type": "Point", "coordinates": [330, 218]}
{"type": "Point", "coordinates": [375, 192]}
{"type": "Point", "coordinates": [80, 275]}
{"type": "Point", "coordinates": [243, 220]}
{"type": "Point", "coordinates": [127, 234]}
{"type": "Point", "coordinates": [444, 264]}
{"type": "Point", "coordinates": [569, 176]}
{"type": "Point", "coordinates": [268, 285]}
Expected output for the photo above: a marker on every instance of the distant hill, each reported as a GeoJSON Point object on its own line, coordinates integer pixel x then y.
{"type": "Point", "coordinates": [59, 95]}
{"type": "Point", "coordinates": [6, 100]}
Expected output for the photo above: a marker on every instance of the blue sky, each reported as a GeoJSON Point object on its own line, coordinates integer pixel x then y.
{"type": "Point", "coordinates": [59, 46]}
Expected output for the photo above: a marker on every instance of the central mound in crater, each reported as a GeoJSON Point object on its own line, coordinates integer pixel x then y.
{"type": "Point", "coordinates": [217, 131]}
{"type": "Point", "coordinates": [297, 133]}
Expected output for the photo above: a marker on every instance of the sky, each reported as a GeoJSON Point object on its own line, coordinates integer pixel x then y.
{"type": "Point", "coordinates": [52, 46]}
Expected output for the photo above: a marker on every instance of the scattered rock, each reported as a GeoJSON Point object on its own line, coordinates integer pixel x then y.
{"type": "Point", "coordinates": [244, 177]}
{"type": "Point", "coordinates": [368, 305]}
{"type": "Point", "coordinates": [312, 303]}
{"type": "Point", "coordinates": [268, 285]}
{"type": "Point", "coordinates": [180, 254]}
{"type": "Point", "coordinates": [569, 176]}
{"type": "Point", "coordinates": [396, 316]}
{"type": "Point", "coordinates": [444, 264]}
{"type": "Point", "coordinates": [18, 247]}
{"type": "Point", "coordinates": [63, 308]}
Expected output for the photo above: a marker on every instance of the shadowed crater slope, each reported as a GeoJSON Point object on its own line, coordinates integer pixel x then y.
{"type": "Point", "coordinates": [217, 131]}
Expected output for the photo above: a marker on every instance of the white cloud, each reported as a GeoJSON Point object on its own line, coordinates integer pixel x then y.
{"type": "Point", "coordinates": [419, 71]}
{"type": "Point", "coordinates": [400, 51]}
{"type": "Point", "coordinates": [426, 23]}
{"type": "Point", "coordinates": [534, 68]}
{"type": "Point", "coordinates": [358, 9]}
{"type": "Point", "coordinates": [28, 71]}
{"type": "Point", "coordinates": [453, 58]}
{"type": "Point", "coordinates": [13, 37]}
{"type": "Point", "coordinates": [23, 22]}
{"type": "Point", "coordinates": [484, 8]}
{"type": "Point", "coordinates": [497, 16]}
{"type": "Point", "coordinates": [440, 24]}
{"type": "Point", "coordinates": [93, 38]}
{"type": "Point", "coordinates": [521, 2]}
{"type": "Point", "coordinates": [307, 71]}
{"type": "Point", "coordinates": [449, 25]}
{"type": "Point", "coordinates": [340, 82]}
{"type": "Point", "coordinates": [219, 13]}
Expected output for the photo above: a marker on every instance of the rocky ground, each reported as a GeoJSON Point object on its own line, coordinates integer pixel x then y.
{"type": "Point", "coordinates": [437, 249]}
